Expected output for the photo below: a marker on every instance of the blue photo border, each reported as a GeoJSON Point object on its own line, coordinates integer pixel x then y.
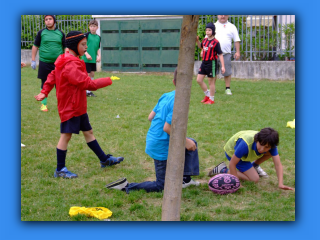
{"type": "Point", "coordinates": [307, 86]}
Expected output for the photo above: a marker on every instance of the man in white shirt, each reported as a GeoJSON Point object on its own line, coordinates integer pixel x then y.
{"type": "Point", "coordinates": [225, 33]}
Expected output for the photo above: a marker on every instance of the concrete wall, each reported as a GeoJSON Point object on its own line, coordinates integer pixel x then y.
{"type": "Point", "coordinates": [273, 70]}
{"type": "Point", "coordinates": [26, 56]}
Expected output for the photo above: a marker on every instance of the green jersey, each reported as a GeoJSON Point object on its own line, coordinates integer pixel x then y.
{"type": "Point", "coordinates": [51, 44]}
{"type": "Point", "coordinates": [93, 43]}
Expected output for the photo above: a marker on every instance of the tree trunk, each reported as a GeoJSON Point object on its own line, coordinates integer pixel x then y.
{"type": "Point", "coordinates": [176, 156]}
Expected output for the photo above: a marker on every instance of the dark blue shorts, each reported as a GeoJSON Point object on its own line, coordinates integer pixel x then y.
{"type": "Point", "coordinates": [242, 166]}
{"type": "Point", "coordinates": [209, 68]}
{"type": "Point", "coordinates": [91, 67]}
{"type": "Point", "coordinates": [76, 124]}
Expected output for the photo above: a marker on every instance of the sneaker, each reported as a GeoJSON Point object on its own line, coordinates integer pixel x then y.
{"type": "Point", "coordinates": [209, 101]}
{"type": "Point", "coordinates": [120, 184]}
{"type": "Point", "coordinates": [228, 91]}
{"type": "Point", "coordinates": [44, 108]}
{"type": "Point", "coordinates": [90, 94]}
{"type": "Point", "coordinates": [22, 145]}
{"type": "Point", "coordinates": [217, 169]}
{"type": "Point", "coordinates": [111, 160]}
{"type": "Point", "coordinates": [260, 171]}
{"type": "Point", "coordinates": [64, 173]}
{"type": "Point", "coordinates": [192, 182]}
{"type": "Point", "coordinates": [206, 98]}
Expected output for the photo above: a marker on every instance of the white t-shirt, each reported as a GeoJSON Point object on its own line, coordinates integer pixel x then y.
{"type": "Point", "coordinates": [225, 32]}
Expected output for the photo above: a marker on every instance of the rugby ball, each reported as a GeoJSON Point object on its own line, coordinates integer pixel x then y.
{"type": "Point", "coordinates": [224, 183]}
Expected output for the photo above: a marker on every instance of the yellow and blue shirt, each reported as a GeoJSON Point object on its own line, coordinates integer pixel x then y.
{"type": "Point", "coordinates": [242, 144]}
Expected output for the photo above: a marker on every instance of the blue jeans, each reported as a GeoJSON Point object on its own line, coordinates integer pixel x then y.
{"type": "Point", "coordinates": [191, 168]}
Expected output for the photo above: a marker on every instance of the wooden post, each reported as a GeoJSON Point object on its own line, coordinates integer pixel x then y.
{"type": "Point", "coordinates": [176, 156]}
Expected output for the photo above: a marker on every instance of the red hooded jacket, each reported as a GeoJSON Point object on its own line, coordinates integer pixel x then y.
{"type": "Point", "coordinates": [71, 80]}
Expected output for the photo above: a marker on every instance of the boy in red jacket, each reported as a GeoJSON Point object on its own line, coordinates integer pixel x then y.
{"type": "Point", "coordinates": [71, 81]}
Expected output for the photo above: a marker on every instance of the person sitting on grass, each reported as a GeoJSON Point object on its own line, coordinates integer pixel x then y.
{"type": "Point", "coordinates": [246, 150]}
{"type": "Point", "coordinates": [157, 147]}
{"type": "Point", "coordinates": [72, 81]}
{"type": "Point", "coordinates": [210, 51]}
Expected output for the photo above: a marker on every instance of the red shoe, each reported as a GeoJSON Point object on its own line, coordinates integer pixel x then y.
{"type": "Point", "coordinates": [209, 102]}
{"type": "Point", "coordinates": [206, 98]}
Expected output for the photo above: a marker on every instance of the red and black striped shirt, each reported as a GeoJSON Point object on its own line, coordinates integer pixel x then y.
{"type": "Point", "coordinates": [211, 49]}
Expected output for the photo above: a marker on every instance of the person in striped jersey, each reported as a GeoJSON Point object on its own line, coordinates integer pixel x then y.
{"type": "Point", "coordinates": [211, 51]}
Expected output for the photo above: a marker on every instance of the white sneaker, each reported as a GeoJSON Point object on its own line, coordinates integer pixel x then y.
{"type": "Point", "coordinates": [261, 172]}
{"type": "Point", "coordinates": [22, 145]}
{"type": "Point", "coordinates": [228, 91]}
{"type": "Point", "coordinates": [192, 182]}
{"type": "Point", "coordinates": [120, 184]}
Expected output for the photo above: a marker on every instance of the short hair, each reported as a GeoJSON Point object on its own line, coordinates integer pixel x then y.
{"type": "Point", "coordinates": [94, 22]}
{"type": "Point", "coordinates": [175, 75]}
{"type": "Point", "coordinates": [267, 136]}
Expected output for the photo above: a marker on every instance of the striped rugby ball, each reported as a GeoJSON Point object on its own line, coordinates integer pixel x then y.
{"type": "Point", "coordinates": [224, 183]}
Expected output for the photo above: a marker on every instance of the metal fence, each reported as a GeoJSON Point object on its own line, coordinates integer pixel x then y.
{"type": "Point", "coordinates": [31, 24]}
{"type": "Point", "coordinates": [263, 37]}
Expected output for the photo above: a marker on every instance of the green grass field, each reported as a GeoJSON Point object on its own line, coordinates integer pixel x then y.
{"type": "Point", "coordinates": [253, 105]}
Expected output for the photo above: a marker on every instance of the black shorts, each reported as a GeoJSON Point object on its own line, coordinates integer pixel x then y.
{"type": "Point", "coordinates": [76, 124]}
{"type": "Point", "coordinates": [43, 71]}
{"type": "Point", "coordinates": [91, 67]}
{"type": "Point", "coordinates": [209, 68]}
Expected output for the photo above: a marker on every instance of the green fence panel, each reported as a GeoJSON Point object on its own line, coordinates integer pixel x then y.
{"type": "Point", "coordinates": [110, 46]}
{"type": "Point", "coordinates": [140, 45]}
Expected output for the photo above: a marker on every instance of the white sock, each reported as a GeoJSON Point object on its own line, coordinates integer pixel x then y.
{"type": "Point", "coordinates": [92, 78]}
{"type": "Point", "coordinates": [207, 93]}
{"type": "Point", "coordinates": [212, 98]}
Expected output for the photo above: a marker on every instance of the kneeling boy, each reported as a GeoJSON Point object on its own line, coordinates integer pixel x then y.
{"type": "Point", "coordinates": [157, 147]}
{"type": "Point", "coordinates": [246, 150]}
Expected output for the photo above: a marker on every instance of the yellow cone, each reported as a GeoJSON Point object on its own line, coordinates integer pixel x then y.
{"type": "Point", "coordinates": [114, 78]}
{"type": "Point", "coordinates": [291, 124]}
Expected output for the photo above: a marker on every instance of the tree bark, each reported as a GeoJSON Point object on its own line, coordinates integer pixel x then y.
{"type": "Point", "coordinates": [176, 156]}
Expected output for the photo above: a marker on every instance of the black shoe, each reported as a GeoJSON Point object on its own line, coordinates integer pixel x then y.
{"type": "Point", "coordinates": [217, 169]}
{"type": "Point", "coordinates": [111, 160]}
{"type": "Point", "coordinates": [90, 94]}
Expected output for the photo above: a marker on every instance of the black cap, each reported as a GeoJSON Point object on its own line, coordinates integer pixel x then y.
{"type": "Point", "coordinates": [72, 40]}
{"type": "Point", "coordinates": [212, 27]}
{"type": "Point", "coordinates": [53, 16]}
